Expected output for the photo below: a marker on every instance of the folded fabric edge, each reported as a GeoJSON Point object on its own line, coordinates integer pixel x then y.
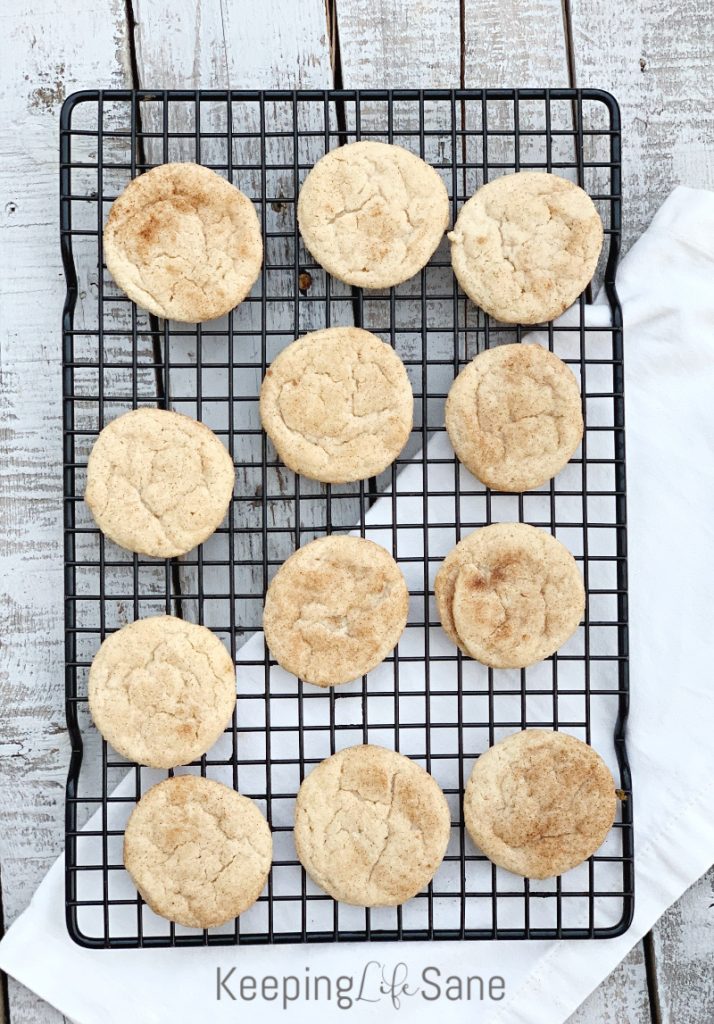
{"type": "Point", "coordinates": [681, 216]}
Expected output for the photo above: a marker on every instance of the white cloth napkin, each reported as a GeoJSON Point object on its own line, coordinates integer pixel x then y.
{"type": "Point", "coordinates": [665, 285]}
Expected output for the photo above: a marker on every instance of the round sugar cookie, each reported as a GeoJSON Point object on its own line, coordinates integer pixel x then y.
{"type": "Point", "coordinates": [335, 609]}
{"type": "Point", "coordinates": [183, 243]}
{"type": "Point", "coordinates": [514, 416]}
{"type": "Point", "coordinates": [337, 404]}
{"type": "Point", "coordinates": [198, 852]}
{"type": "Point", "coordinates": [162, 691]}
{"type": "Point", "coordinates": [372, 214]}
{"type": "Point", "coordinates": [509, 595]}
{"type": "Point", "coordinates": [539, 803]}
{"type": "Point", "coordinates": [158, 482]}
{"type": "Point", "coordinates": [371, 826]}
{"type": "Point", "coordinates": [526, 245]}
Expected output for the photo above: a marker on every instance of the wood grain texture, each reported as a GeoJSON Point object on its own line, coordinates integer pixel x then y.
{"type": "Point", "coordinates": [684, 954]}
{"type": "Point", "coordinates": [514, 44]}
{"type": "Point", "coordinates": [46, 56]}
{"type": "Point", "coordinates": [509, 43]}
{"type": "Point", "coordinates": [220, 43]}
{"type": "Point", "coordinates": [656, 58]}
{"type": "Point", "coordinates": [396, 45]}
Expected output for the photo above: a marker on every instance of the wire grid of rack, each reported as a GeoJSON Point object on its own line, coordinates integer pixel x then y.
{"type": "Point", "coordinates": [426, 700]}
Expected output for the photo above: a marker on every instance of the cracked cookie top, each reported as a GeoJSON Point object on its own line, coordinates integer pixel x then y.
{"type": "Point", "coordinates": [183, 243]}
{"type": "Point", "coordinates": [372, 214]}
{"type": "Point", "coordinates": [509, 595]}
{"type": "Point", "coordinates": [539, 803]}
{"type": "Point", "coordinates": [526, 245]}
{"type": "Point", "coordinates": [162, 690]}
{"type": "Point", "coordinates": [514, 416]}
{"type": "Point", "coordinates": [158, 482]}
{"type": "Point", "coordinates": [198, 852]}
{"type": "Point", "coordinates": [371, 826]}
{"type": "Point", "coordinates": [335, 610]}
{"type": "Point", "coordinates": [337, 404]}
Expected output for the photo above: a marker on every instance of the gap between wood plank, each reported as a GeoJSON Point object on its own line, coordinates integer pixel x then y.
{"type": "Point", "coordinates": [131, 40]}
{"type": "Point", "coordinates": [462, 56]}
{"type": "Point", "coordinates": [569, 47]}
{"type": "Point", "coordinates": [570, 65]}
{"type": "Point", "coordinates": [334, 42]}
{"type": "Point", "coordinates": [162, 397]}
{"type": "Point", "coordinates": [651, 975]}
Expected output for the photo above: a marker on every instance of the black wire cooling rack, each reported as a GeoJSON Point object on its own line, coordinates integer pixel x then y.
{"type": "Point", "coordinates": [426, 700]}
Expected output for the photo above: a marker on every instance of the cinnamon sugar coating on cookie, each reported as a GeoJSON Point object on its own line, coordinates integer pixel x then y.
{"type": "Point", "coordinates": [514, 416]}
{"type": "Point", "coordinates": [539, 803]}
{"type": "Point", "coordinates": [183, 243]}
{"type": "Point", "coordinates": [162, 690]}
{"type": "Point", "coordinates": [335, 610]}
{"type": "Point", "coordinates": [509, 595]}
{"type": "Point", "coordinates": [371, 826]}
{"type": "Point", "coordinates": [372, 214]}
{"type": "Point", "coordinates": [525, 246]}
{"type": "Point", "coordinates": [198, 852]}
{"type": "Point", "coordinates": [158, 482]}
{"type": "Point", "coordinates": [337, 404]}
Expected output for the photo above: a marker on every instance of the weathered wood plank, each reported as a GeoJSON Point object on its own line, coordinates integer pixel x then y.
{"type": "Point", "coordinates": [515, 45]}
{"type": "Point", "coordinates": [45, 58]}
{"type": "Point", "coordinates": [32, 689]}
{"type": "Point", "coordinates": [27, 1008]}
{"type": "Point", "coordinates": [395, 45]}
{"type": "Point", "coordinates": [213, 45]}
{"type": "Point", "coordinates": [656, 58]}
{"type": "Point", "coordinates": [509, 43]}
{"type": "Point", "coordinates": [684, 953]}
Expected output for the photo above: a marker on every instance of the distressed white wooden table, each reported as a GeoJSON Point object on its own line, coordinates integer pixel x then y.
{"type": "Point", "coordinates": [656, 57]}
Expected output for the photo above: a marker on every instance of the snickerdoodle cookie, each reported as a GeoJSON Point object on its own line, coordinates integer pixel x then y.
{"type": "Point", "coordinates": [183, 243]}
{"type": "Point", "coordinates": [526, 245]}
{"type": "Point", "coordinates": [335, 610]}
{"type": "Point", "coordinates": [509, 595]}
{"type": "Point", "coordinates": [371, 826]}
{"type": "Point", "coordinates": [198, 852]}
{"type": "Point", "coordinates": [337, 404]}
{"type": "Point", "coordinates": [158, 482]}
{"type": "Point", "coordinates": [372, 214]}
{"type": "Point", "coordinates": [539, 803]}
{"type": "Point", "coordinates": [514, 416]}
{"type": "Point", "coordinates": [162, 690]}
